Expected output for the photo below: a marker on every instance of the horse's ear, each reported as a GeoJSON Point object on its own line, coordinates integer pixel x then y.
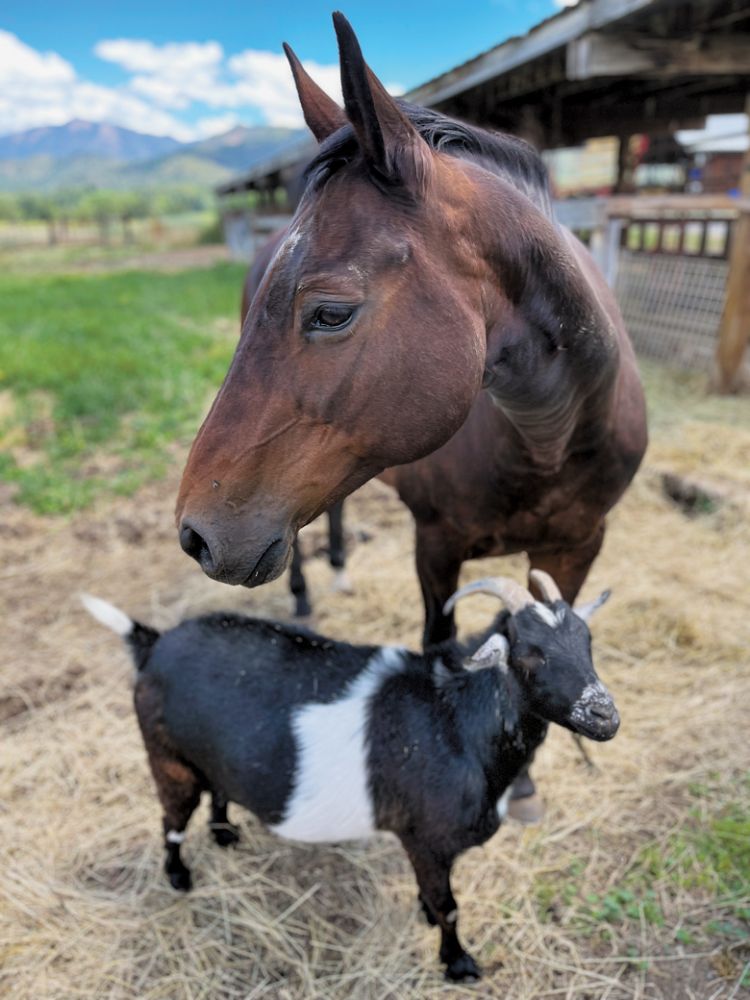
{"type": "Point", "coordinates": [322, 114]}
{"type": "Point", "coordinates": [391, 145]}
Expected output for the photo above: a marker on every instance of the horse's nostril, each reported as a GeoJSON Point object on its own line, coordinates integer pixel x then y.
{"type": "Point", "coordinates": [194, 545]}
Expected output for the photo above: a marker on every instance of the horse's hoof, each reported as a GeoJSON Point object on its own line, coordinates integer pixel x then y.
{"type": "Point", "coordinates": [528, 810]}
{"type": "Point", "coordinates": [341, 583]}
{"type": "Point", "coordinates": [463, 970]}
{"type": "Point", "coordinates": [225, 834]}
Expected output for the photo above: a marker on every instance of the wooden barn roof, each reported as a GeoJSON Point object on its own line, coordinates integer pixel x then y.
{"type": "Point", "coordinates": [604, 67]}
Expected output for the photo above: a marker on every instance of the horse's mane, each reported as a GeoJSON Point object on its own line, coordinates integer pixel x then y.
{"type": "Point", "coordinates": [511, 158]}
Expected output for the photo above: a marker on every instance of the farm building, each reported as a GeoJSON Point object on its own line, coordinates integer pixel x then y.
{"type": "Point", "coordinates": [622, 76]}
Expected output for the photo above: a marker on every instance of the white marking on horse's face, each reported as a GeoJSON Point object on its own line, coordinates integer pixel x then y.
{"type": "Point", "coordinates": [546, 614]}
{"type": "Point", "coordinates": [331, 799]}
{"type": "Point", "coordinates": [502, 803]}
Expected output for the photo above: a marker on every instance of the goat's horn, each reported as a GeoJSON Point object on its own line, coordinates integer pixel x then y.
{"type": "Point", "coordinates": [547, 586]}
{"type": "Point", "coordinates": [512, 594]}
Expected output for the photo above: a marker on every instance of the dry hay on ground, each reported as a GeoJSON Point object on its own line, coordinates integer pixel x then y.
{"type": "Point", "coordinates": [86, 912]}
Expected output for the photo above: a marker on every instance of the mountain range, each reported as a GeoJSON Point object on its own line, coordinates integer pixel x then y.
{"type": "Point", "coordinates": [97, 154]}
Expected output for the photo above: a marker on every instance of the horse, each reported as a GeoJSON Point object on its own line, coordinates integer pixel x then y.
{"type": "Point", "coordinates": [423, 314]}
{"type": "Point", "coordinates": [423, 302]}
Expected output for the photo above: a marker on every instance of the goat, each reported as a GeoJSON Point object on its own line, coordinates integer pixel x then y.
{"type": "Point", "coordinates": [328, 741]}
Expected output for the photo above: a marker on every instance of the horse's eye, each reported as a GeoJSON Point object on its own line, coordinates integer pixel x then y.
{"type": "Point", "coordinates": [332, 316]}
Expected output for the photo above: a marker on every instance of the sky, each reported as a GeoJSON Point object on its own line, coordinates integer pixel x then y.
{"type": "Point", "coordinates": [195, 69]}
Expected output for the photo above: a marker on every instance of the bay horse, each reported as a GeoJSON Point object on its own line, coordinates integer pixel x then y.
{"type": "Point", "coordinates": [423, 307]}
{"type": "Point", "coordinates": [423, 314]}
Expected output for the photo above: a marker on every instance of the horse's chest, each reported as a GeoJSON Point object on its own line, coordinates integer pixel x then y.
{"type": "Point", "coordinates": [555, 517]}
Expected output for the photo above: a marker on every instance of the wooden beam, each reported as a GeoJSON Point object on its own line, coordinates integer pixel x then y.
{"type": "Point", "coordinates": [734, 329]}
{"type": "Point", "coordinates": [596, 54]}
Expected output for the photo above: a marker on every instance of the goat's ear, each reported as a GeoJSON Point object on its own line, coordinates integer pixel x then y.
{"type": "Point", "coordinates": [322, 113]}
{"type": "Point", "coordinates": [391, 145]}
{"type": "Point", "coordinates": [492, 653]}
{"type": "Point", "coordinates": [585, 611]}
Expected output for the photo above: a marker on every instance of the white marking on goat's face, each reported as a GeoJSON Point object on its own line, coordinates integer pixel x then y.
{"type": "Point", "coordinates": [546, 614]}
{"type": "Point", "coordinates": [175, 837]}
{"type": "Point", "coordinates": [502, 803]}
{"type": "Point", "coordinates": [331, 798]}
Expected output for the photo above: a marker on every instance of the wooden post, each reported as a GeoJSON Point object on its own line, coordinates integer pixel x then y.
{"type": "Point", "coordinates": [734, 329]}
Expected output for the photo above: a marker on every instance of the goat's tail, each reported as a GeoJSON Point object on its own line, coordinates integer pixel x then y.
{"type": "Point", "coordinates": [140, 638]}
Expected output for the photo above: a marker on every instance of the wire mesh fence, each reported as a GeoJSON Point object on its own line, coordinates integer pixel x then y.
{"type": "Point", "coordinates": [672, 305]}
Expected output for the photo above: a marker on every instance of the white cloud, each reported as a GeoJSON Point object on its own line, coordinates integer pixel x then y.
{"type": "Point", "coordinates": [42, 88]}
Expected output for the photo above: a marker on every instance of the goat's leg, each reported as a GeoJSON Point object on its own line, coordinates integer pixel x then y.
{"type": "Point", "coordinates": [433, 878]}
{"type": "Point", "coordinates": [223, 832]}
{"type": "Point", "coordinates": [297, 584]}
{"type": "Point", "coordinates": [439, 558]}
{"type": "Point", "coordinates": [569, 569]}
{"type": "Point", "coordinates": [178, 785]}
{"type": "Point", "coordinates": [179, 789]}
{"type": "Point", "coordinates": [337, 548]}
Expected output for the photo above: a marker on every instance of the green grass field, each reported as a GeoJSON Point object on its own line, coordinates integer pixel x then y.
{"type": "Point", "coordinates": [101, 373]}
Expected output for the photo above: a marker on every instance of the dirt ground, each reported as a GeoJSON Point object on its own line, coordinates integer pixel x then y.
{"type": "Point", "coordinates": [86, 912]}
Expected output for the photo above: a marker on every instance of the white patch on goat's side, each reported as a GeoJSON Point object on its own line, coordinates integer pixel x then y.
{"type": "Point", "coordinates": [108, 615]}
{"type": "Point", "coordinates": [331, 799]}
{"type": "Point", "coordinates": [591, 693]}
{"type": "Point", "coordinates": [502, 803]}
{"type": "Point", "coordinates": [175, 837]}
{"type": "Point", "coordinates": [547, 615]}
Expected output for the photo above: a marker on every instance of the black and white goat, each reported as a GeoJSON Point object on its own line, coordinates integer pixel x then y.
{"type": "Point", "coordinates": [327, 741]}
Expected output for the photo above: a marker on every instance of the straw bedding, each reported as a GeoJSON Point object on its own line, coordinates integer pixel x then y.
{"type": "Point", "coordinates": [86, 912]}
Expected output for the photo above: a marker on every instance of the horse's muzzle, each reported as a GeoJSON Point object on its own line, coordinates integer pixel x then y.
{"type": "Point", "coordinates": [233, 563]}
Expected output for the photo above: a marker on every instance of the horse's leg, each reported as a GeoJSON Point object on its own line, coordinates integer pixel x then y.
{"type": "Point", "coordinates": [568, 568]}
{"type": "Point", "coordinates": [439, 558]}
{"type": "Point", "coordinates": [337, 548]}
{"type": "Point", "coordinates": [297, 584]}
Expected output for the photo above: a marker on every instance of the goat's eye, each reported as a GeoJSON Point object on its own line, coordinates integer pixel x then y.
{"type": "Point", "coordinates": [530, 659]}
{"type": "Point", "coordinates": [331, 316]}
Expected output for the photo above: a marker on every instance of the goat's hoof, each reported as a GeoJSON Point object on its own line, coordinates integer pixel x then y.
{"type": "Point", "coordinates": [225, 834]}
{"type": "Point", "coordinates": [463, 970]}
{"type": "Point", "coordinates": [180, 880]}
{"type": "Point", "coordinates": [528, 810]}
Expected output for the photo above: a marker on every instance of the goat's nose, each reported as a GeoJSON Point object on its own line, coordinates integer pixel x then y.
{"type": "Point", "coordinates": [197, 547]}
{"type": "Point", "coordinates": [603, 710]}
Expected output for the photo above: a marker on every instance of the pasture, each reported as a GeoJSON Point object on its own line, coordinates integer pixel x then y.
{"type": "Point", "coordinates": [637, 883]}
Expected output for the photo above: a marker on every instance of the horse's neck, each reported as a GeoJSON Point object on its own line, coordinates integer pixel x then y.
{"type": "Point", "coordinates": [553, 350]}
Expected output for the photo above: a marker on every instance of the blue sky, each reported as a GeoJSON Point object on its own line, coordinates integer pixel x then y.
{"type": "Point", "coordinates": [193, 69]}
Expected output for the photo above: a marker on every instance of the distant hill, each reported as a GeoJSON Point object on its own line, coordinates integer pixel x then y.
{"type": "Point", "coordinates": [85, 154]}
{"type": "Point", "coordinates": [80, 138]}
